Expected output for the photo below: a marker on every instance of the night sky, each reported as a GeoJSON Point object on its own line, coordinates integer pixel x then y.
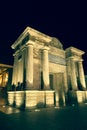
{"type": "Point", "coordinates": [63, 20]}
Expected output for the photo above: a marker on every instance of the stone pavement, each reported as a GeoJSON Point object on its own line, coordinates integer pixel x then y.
{"type": "Point", "coordinates": [66, 118]}
{"type": "Point", "coordinates": [8, 109]}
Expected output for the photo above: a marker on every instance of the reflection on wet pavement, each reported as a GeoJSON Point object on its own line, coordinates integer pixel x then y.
{"type": "Point", "coordinates": [8, 109]}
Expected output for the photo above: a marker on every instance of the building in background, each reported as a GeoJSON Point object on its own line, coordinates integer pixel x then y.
{"type": "Point", "coordinates": [45, 73]}
{"type": "Point", "coordinates": [5, 78]}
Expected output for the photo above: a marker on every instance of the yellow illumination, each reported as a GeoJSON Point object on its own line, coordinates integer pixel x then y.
{"type": "Point", "coordinates": [0, 79]}
{"type": "Point", "coordinates": [6, 77]}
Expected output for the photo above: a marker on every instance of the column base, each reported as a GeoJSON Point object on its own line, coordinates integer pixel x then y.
{"type": "Point", "coordinates": [83, 89]}
{"type": "Point", "coordinates": [29, 88]}
{"type": "Point", "coordinates": [45, 89]}
{"type": "Point", "coordinates": [74, 90]}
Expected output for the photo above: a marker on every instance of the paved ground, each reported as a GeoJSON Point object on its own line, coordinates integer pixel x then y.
{"type": "Point", "coordinates": [67, 118]}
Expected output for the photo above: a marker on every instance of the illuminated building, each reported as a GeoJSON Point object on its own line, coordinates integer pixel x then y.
{"type": "Point", "coordinates": [5, 78]}
{"type": "Point", "coordinates": [46, 72]}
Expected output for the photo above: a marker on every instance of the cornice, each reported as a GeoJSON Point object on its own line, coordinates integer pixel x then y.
{"type": "Point", "coordinates": [74, 50]}
{"type": "Point", "coordinates": [33, 35]}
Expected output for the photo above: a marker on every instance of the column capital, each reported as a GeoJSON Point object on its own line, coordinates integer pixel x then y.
{"type": "Point", "coordinates": [16, 53]}
{"type": "Point", "coordinates": [46, 48]}
{"type": "Point", "coordinates": [30, 43]}
{"type": "Point", "coordinates": [72, 58]}
{"type": "Point", "coordinates": [81, 60]}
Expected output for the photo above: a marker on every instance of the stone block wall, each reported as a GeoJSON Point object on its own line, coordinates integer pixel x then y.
{"type": "Point", "coordinates": [11, 98]}
{"type": "Point", "coordinates": [77, 97]}
{"type": "Point", "coordinates": [31, 99]}
{"type": "Point", "coordinates": [19, 99]}
{"type": "Point", "coordinates": [41, 99]}
{"type": "Point", "coordinates": [49, 98]}
{"type": "Point", "coordinates": [38, 99]}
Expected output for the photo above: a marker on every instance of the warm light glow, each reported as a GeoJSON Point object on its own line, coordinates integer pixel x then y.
{"type": "Point", "coordinates": [80, 97]}
{"type": "Point", "coordinates": [0, 79]}
{"type": "Point", "coordinates": [6, 77]}
{"type": "Point", "coordinates": [3, 79]}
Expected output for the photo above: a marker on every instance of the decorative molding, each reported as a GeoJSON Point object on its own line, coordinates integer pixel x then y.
{"type": "Point", "coordinates": [56, 59]}
{"type": "Point", "coordinates": [56, 43]}
{"type": "Point", "coordinates": [36, 53]}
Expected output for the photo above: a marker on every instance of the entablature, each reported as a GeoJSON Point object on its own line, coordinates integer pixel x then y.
{"type": "Point", "coordinates": [35, 36]}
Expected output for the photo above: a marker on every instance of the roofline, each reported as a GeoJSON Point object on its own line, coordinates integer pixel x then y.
{"type": "Point", "coordinates": [73, 49]}
{"type": "Point", "coordinates": [30, 31]}
{"type": "Point", "coordinates": [5, 65]}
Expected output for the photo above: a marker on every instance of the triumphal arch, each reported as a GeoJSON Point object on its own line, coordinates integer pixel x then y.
{"type": "Point", "coordinates": [44, 74]}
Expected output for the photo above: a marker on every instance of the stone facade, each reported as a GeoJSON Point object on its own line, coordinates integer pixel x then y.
{"type": "Point", "coordinates": [41, 64]}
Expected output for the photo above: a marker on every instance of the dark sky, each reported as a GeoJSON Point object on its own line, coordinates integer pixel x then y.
{"type": "Point", "coordinates": [64, 20]}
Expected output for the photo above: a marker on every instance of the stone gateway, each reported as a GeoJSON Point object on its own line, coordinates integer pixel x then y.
{"type": "Point", "coordinates": [44, 74]}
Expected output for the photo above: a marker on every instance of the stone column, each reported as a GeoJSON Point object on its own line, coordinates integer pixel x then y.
{"type": "Point", "coordinates": [20, 68]}
{"type": "Point", "coordinates": [15, 75]}
{"type": "Point", "coordinates": [73, 75]}
{"type": "Point", "coordinates": [29, 66]}
{"type": "Point", "coordinates": [13, 80]}
{"type": "Point", "coordinates": [46, 68]}
{"type": "Point", "coordinates": [81, 75]}
{"type": "Point", "coordinates": [16, 70]}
